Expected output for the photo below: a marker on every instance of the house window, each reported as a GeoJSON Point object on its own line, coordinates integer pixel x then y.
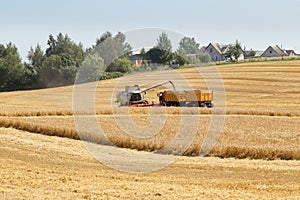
{"type": "Point", "coordinates": [210, 51]}
{"type": "Point", "coordinates": [271, 51]}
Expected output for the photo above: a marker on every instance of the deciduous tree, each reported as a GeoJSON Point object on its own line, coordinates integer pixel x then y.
{"type": "Point", "coordinates": [189, 45]}
{"type": "Point", "coordinates": [234, 51]}
{"type": "Point", "coordinates": [165, 46]}
{"type": "Point", "coordinates": [110, 48]}
{"type": "Point", "coordinates": [122, 65]}
{"type": "Point", "coordinates": [11, 68]}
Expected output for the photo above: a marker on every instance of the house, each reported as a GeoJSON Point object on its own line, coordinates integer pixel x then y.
{"type": "Point", "coordinates": [137, 59]}
{"type": "Point", "coordinates": [274, 51]}
{"type": "Point", "coordinates": [290, 53]}
{"type": "Point", "coordinates": [217, 52]}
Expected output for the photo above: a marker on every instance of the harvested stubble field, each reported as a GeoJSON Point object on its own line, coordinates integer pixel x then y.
{"type": "Point", "coordinates": [261, 122]}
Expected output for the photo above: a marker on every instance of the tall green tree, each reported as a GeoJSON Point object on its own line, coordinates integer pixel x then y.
{"type": "Point", "coordinates": [11, 67]}
{"type": "Point", "coordinates": [36, 56]}
{"type": "Point", "coordinates": [63, 45]}
{"type": "Point", "coordinates": [189, 45]}
{"type": "Point", "coordinates": [33, 69]}
{"type": "Point", "coordinates": [103, 37]}
{"type": "Point", "coordinates": [165, 45]}
{"type": "Point", "coordinates": [237, 50]}
{"type": "Point", "coordinates": [63, 57]}
{"type": "Point", "coordinates": [143, 51]}
{"type": "Point", "coordinates": [229, 53]}
{"type": "Point", "coordinates": [111, 47]}
{"type": "Point", "coordinates": [126, 49]}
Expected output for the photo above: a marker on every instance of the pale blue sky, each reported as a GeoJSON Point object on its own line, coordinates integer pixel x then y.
{"type": "Point", "coordinates": [256, 23]}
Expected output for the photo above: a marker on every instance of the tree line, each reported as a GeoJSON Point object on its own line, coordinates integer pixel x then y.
{"type": "Point", "coordinates": [108, 58]}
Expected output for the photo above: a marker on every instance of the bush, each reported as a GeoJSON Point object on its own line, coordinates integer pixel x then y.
{"type": "Point", "coordinates": [110, 75]}
{"type": "Point", "coordinates": [122, 65]}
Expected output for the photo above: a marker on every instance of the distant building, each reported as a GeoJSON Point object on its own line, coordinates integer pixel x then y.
{"type": "Point", "coordinates": [217, 52]}
{"type": "Point", "coordinates": [274, 51]}
{"type": "Point", "coordinates": [290, 53]}
{"type": "Point", "coordinates": [137, 59]}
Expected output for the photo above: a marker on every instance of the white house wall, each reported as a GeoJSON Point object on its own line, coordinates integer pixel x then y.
{"type": "Point", "coordinates": [242, 57]}
{"type": "Point", "coordinates": [270, 53]}
{"type": "Point", "coordinates": [213, 53]}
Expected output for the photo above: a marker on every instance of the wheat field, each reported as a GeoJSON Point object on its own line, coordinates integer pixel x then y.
{"type": "Point", "coordinates": [260, 138]}
{"type": "Point", "coordinates": [262, 112]}
{"type": "Point", "coordinates": [37, 167]}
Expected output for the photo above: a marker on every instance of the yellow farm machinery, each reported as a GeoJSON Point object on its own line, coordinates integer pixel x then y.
{"type": "Point", "coordinates": [135, 97]}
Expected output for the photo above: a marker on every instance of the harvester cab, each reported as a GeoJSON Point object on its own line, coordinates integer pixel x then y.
{"type": "Point", "coordinates": [131, 95]}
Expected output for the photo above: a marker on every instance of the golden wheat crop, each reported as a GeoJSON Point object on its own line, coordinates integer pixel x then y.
{"type": "Point", "coordinates": [262, 113]}
{"type": "Point", "coordinates": [242, 137]}
{"type": "Point", "coordinates": [56, 168]}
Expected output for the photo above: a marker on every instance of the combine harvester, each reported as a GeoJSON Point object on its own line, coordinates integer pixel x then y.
{"type": "Point", "coordinates": [133, 96]}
